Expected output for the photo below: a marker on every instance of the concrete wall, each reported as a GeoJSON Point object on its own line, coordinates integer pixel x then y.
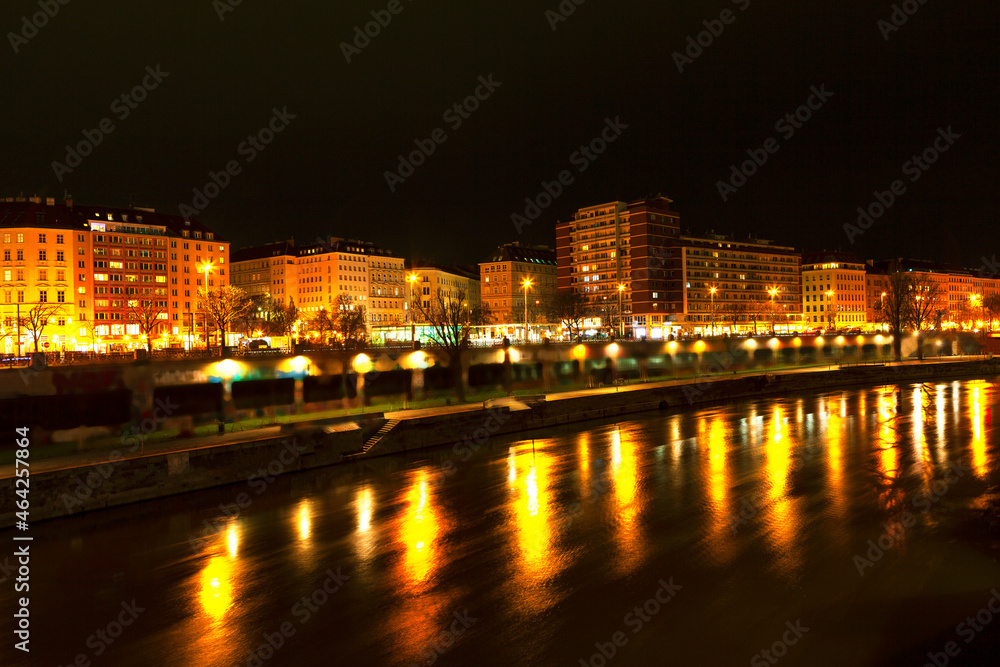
{"type": "Point", "coordinates": [118, 482]}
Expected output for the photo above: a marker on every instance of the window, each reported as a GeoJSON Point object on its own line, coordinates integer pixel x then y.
{"type": "Point", "coordinates": [41, 256]}
{"type": "Point", "coordinates": [41, 238]}
{"type": "Point", "coordinates": [61, 296]}
{"type": "Point", "coordinates": [60, 256]}
{"type": "Point", "coordinates": [43, 296]}
{"type": "Point", "coordinates": [59, 238]}
{"type": "Point", "coordinates": [43, 275]}
{"type": "Point", "coordinates": [6, 255]}
{"type": "Point", "coordinates": [20, 255]}
{"type": "Point", "coordinates": [20, 237]}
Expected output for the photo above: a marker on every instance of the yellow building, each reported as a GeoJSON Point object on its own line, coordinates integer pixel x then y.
{"type": "Point", "coordinates": [833, 291]}
{"type": "Point", "coordinates": [502, 280]}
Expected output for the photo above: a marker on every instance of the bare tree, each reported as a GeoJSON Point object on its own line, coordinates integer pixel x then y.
{"type": "Point", "coordinates": [146, 313]}
{"type": "Point", "coordinates": [225, 305]}
{"type": "Point", "coordinates": [570, 309]}
{"type": "Point", "coordinates": [37, 318]}
{"type": "Point", "coordinates": [894, 308]}
{"type": "Point", "coordinates": [991, 304]}
{"type": "Point", "coordinates": [735, 312]}
{"type": "Point", "coordinates": [350, 321]}
{"type": "Point", "coordinates": [923, 298]}
{"type": "Point", "coordinates": [322, 323]}
{"type": "Point", "coordinates": [450, 329]}
{"type": "Point", "coordinates": [757, 309]}
{"type": "Point", "coordinates": [283, 317]}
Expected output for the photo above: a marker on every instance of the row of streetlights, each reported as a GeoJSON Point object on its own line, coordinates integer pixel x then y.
{"type": "Point", "coordinates": [773, 291]}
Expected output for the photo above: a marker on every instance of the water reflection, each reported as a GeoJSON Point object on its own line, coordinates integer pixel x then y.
{"type": "Point", "coordinates": [537, 526]}
{"type": "Point", "coordinates": [418, 531]}
{"type": "Point", "coordinates": [628, 502]}
{"type": "Point", "coordinates": [978, 443]}
{"type": "Point", "coordinates": [714, 478]}
{"type": "Point", "coordinates": [782, 519]}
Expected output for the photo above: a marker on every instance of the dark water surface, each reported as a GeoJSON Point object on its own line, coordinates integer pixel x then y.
{"type": "Point", "coordinates": [845, 528]}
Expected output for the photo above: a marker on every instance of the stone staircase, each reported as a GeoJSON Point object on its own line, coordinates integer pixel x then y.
{"type": "Point", "coordinates": [381, 433]}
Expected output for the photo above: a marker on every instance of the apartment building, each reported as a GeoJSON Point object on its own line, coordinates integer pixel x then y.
{"type": "Point", "coordinates": [834, 293]}
{"type": "Point", "coordinates": [98, 263]}
{"type": "Point", "coordinates": [502, 282]}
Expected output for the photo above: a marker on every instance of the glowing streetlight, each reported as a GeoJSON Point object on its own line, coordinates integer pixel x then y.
{"type": "Point", "coordinates": [833, 309]}
{"type": "Point", "coordinates": [711, 293]}
{"type": "Point", "coordinates": [412, 278]}
{"type": "Point", "coordinates": [206, 268]}
{"type": "Point", "coordinates": [773, 292]}
{"type": "Point", "coordinates": [621, 313]}
{"type": "Point", "coordinates": [526, 283]}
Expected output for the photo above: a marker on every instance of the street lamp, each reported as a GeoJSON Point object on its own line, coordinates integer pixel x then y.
{"type": "Point", "coordinates": [206, 268]}
{"type": "Point", "coordinates": [412, 278]}
{"type": "Point", "coordinates": [773, 292]}
{"type": "Point", "coordinates": [829, 298]}
{"type": "Point", "coordinates": [621, 313]}
{"type": "Point", "coordinates": [711, 293]}
{"type": "Point", "coordinates": [526, 283]}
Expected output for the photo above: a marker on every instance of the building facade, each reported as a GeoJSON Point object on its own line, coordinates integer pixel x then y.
{"type": "Point", "coordinates": [502, 281]}
{"type": "Point", "coordinates": [96, 265]}
{"type": "Point", "coordinates": [834, 293]}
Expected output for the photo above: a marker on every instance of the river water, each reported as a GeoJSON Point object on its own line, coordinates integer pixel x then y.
{"type": "Point", "coordinates": [846, 528]}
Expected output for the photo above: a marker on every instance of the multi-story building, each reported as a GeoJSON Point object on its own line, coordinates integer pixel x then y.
{"type": "Point", "coordinates": [102, 263]}
{"type": "Point", "coordinates": [454, 283]}
{"type": "Point", "coordinates": [502, 282]}
{"type": "Point", "coordinates": [833, 290]}
{"type": "Point", "coordinates": [633, 253]}
{"type": "Point", "coordinates": [739, 284]}
{"type": "Point", "coordinates": [315, 275]}
{"type": "Point", "coordinates": [960, 291]}
{"type": "Point", "coordinates": [627, 252]}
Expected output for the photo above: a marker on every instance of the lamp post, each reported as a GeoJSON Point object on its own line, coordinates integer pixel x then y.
{"type": "Point", "coordinates": [829, 298]}
{"type": "Point", "coordinates": [526, 283]}
{"type": "Point", "coordinates": [773, 292]}
{"type": "Point", "coordinates": [412, 278]}
{"type": "Point", "coordinates": [711, 293]}
{"type": "Point", "coordinates": [882, 311]}
{"type": "Point", "coordinates": [206, 268]}
{"type": "Point", "coordinates": [621, 313]}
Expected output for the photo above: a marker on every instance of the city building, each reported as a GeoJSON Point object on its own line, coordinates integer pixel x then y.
{"type": "Point", "coordinates": [503, 277]}
{"type": "Point", "coordinates": [961, 291]}
{"type": "Point", "coordinates": [834, 294]}
{"type": "Point", "coordinates": [97, 265]}
{"type": "Point", "coordinates": [454, 283]}
{"type": "Point", "coordinates": [315, 275]}
{"type": "Point", "coordinates": [640, 274]}
{"type": "Point", "coordinates": [624, 253]}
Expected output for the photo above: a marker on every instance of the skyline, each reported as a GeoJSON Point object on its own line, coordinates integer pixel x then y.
{"type": "Point", "coordinates": [532, 91]}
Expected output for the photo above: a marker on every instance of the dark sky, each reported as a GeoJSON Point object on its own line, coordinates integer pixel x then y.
{"type": "Point", "coordinates": [324, 174]}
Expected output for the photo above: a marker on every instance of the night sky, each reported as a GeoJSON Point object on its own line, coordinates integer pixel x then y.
{"type": "Point", "coordinates": [325, 172]}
